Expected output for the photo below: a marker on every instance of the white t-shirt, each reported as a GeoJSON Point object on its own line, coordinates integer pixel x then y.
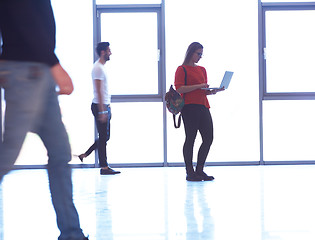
{"type": "Point", "coordinates": [99, 73]}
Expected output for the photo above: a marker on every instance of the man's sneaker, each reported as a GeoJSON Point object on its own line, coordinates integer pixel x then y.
{"type": "Point", "coordinates": [205, 177]}
{"type": "Point", "coordinates": [193, 177]}
{"type": "Point", "coordinates": [108, 171]}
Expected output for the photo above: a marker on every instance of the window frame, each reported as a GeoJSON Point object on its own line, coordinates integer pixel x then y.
{"type": "Point", "coordinates": [159, 9]}
{"type": "Point", "coordinates": [137, 8]}
{"type": "Point", "coordinates": [274, 6]}
{"type": "Point", "coordinates": [263, 7]}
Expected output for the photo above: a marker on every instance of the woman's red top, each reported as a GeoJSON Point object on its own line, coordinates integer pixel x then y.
{"type": "Point", "coordinates": [195, 75]}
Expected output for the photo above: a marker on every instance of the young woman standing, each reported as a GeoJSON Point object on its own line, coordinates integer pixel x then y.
{"type": "Point", "coordinates": [196, 114]}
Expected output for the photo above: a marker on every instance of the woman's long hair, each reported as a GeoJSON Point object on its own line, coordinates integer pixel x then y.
{"type": "Point", "coordinates": [193, 47]}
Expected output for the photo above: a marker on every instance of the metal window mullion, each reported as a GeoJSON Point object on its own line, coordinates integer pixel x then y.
{"type": "Point", "coordinates": [289, 96]}
{"type": "Point", "coordinates": [162, 79]}
{"type": "Point", "coordinates": [288, 5]}
{"type": "Point", "coordinates": [262, 82]}
{"type": "Point", "coordinates": [128, 6]}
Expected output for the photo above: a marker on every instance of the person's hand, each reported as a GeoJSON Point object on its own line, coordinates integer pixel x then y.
{"type": "Point", "coordinates": [214, 91]}
{"type": "Point", "coordinates": [103, 117]}
{"type": "Point", "coordinates": [220, 89]}
{"type": "Point", "coordinates": [62, 79]}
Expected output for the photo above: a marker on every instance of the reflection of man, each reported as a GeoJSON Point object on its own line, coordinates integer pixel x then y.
{"type": "Point", "coordinates": [101, 108]}
{"type": "Point", "coordinates": [28, 68]}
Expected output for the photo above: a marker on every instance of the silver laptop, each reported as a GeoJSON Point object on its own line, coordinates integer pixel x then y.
{"type": "Point", "coordinates": [225, 81]}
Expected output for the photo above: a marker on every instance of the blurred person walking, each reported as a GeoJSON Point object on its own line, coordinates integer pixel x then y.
{"type": "Point", "coordinates": [29, 73]}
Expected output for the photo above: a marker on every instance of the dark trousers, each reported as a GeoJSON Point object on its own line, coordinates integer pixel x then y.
{"type": "Point", "coordinates": [196, 118]}
{"type": "Point", "coordinates": [103, 129]}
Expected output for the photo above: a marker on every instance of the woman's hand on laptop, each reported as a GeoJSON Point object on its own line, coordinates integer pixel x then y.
{"type": "Point", "coordinates": [214, 91]}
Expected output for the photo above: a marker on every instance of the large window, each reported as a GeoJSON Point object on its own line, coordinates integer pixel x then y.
{"type": "Point", "coordinates": [136, 133]}
{"type": "Point", "coordinates": [290, 51]}
{"type": "Point", "coordinates": [133, 68]}
{"type": "Point", "coordinates": [287, 81]}
{"type": "Point", "coordinates": [149, 40]}
{"type": "Point", "coordinates": [289, 130]}
{"type": "Point", "coordinates": [136, 76]}
{"type": "Point", "coordinates": [228, 31]}
{"type": "Point", "coordinates": [142, 68]}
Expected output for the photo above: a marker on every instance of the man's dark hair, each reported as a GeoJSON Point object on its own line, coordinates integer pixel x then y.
{"type": "Point", "coordinates": [102, 46]}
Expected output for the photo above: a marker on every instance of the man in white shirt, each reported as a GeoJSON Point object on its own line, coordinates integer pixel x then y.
{"type": "Point", "coordinates": [101, 108]}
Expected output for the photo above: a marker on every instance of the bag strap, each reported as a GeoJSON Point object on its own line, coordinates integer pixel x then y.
{"type": "Point", "coordinates": [185, 75]}
{"type": "Point", "coordinates": [178, 121]}
{"type": "Point", "coordinates": [180, 115]}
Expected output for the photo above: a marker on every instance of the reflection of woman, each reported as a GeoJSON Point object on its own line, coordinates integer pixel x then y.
{"type": "Point", "coordinates": [199, 221]}
{"type": "Point", "coordinates": [196, 114]}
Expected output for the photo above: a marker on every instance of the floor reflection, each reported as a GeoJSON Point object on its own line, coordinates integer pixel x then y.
{"type": "Point", "coordinates": [103, 213]}
{"type": "Point", "coordinates": [243, 203]}
{"type": "Point", "coordinates": [1, 213]}
{"type": "Point", "coordinates": [199, 221]}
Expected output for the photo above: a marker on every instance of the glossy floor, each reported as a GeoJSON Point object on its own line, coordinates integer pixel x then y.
{"type": "Point", "coordinates": [242, 203]}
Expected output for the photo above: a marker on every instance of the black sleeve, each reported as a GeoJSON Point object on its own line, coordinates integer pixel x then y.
{"type": "Point", "coordinates": [28, 31]}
